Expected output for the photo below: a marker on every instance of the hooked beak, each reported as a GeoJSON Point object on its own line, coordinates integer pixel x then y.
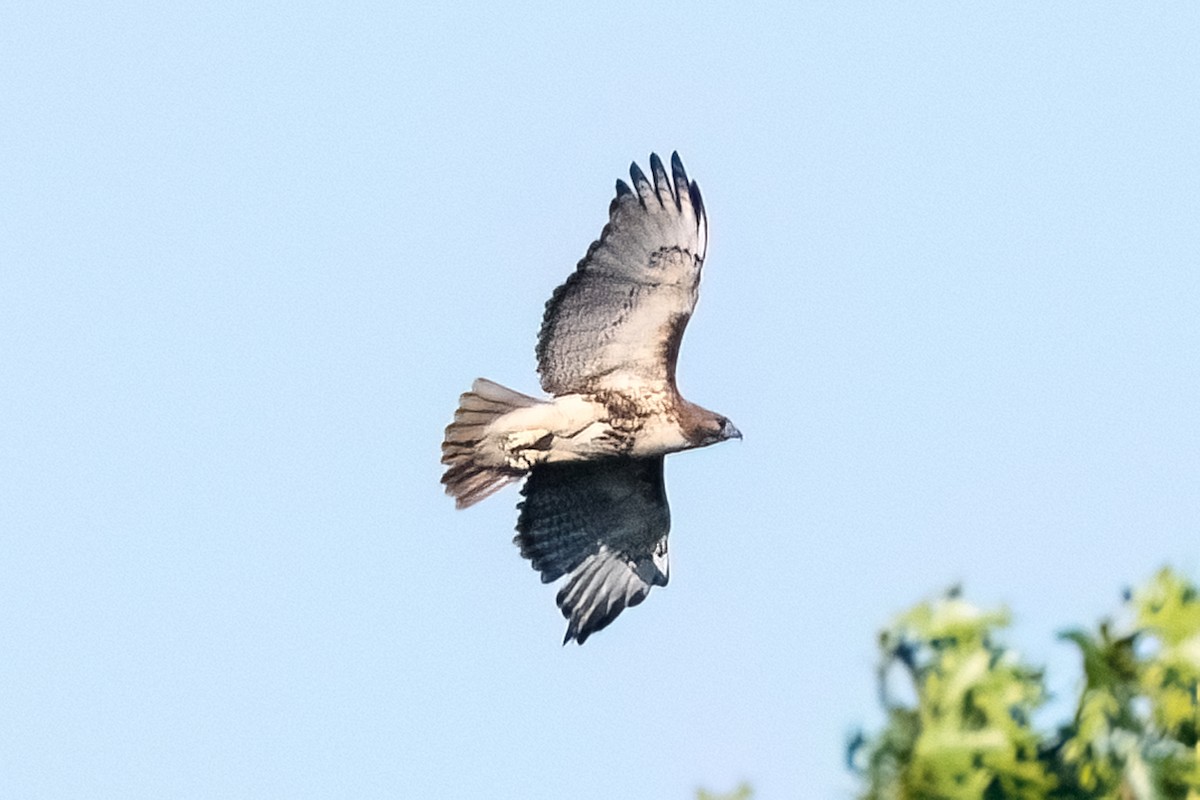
{"type": "Point", "coordinates": [730, 431]}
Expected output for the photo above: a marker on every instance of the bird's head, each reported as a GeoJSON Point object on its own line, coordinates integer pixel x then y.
{"type": "Point", "coordinates": [716, 428]}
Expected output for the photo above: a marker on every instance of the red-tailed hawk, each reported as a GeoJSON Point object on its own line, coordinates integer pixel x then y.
{"type": "Point", "coordinates": [595, 507]}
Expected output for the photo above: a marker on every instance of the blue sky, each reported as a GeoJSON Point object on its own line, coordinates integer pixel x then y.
{"type": "Point", "coordinates": [250, 255]}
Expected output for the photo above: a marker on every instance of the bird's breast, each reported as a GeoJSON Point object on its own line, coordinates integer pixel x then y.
{"type": "Point", "coordinates": [645, 421]}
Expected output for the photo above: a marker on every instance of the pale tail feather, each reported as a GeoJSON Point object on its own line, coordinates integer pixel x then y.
{"type": "Point", "coordinates": [468, 481]}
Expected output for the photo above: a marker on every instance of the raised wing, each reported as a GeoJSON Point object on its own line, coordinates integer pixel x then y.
{"type": "Point", "coordinates": [618, 320]}
{"type": "Point", "coordinates": [603, 523]}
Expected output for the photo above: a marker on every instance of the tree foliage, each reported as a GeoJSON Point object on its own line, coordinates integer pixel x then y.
{"type": "Point", "coordinates": [966, 731]}
{"type": "Point", "coordinates": [742, 792]}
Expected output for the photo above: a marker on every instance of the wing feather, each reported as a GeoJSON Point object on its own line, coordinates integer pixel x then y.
{"type": "Point", "coordinates": [662, 186]}
{"type": "Point", "coordinates": [604, 525]}
{"type": "Point", "coordinates": [609, 324]}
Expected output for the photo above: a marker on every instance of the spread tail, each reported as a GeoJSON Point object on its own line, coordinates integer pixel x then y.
{"type": "Point", "coordinates": [467, 479]}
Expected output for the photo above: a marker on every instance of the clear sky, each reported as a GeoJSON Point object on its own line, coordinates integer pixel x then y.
{"type": "Point", "coordinates": [251, 254]}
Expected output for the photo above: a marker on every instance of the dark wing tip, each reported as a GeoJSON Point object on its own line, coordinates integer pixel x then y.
{"type": "Point", "coordinates": [641, 185]}
{"type": "Point", "coordinates": [661, 184]}
{"type": "Point", "coordinates": [623, 188]}
{"type": "Point", "coordinates": [679, 174]}
{"type": "Point", "coordinates": [580, 629]}
{"type": "Point", "coordinates": [697, 201]}
{"type": "Point", "coordinates": [636, 174]}
{"type": "Point", "coordinates": [656, 169]}
{"type": "Point", "coordinates": [579, 637]}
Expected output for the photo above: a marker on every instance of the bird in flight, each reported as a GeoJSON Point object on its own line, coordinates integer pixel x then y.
{"type": "Point", "coordinates": [595, 505]}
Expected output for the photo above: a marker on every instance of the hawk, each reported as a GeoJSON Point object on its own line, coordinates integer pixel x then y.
{"type": "Point", "coordinates": [595, 506]}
